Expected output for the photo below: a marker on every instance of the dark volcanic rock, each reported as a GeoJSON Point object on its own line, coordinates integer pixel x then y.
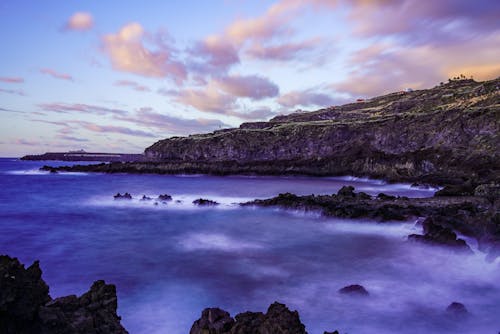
{"type": "Point", "coordinates": [347, 191]}
{"type": "Point", "coordinates": [213, 321]}
{"type": "Point", "coordinates": [457, 309]}
{"type": "Point", "coordinates": [146, 198]}
{"type": "Point", "coordinates": [165, 197]}
{"type": "Point", "coordinates": [278, 320]}
{"type": "Point", "coordinates": [124, 196]}
{"type": "Point", "coordinates": [204, 202]}
{"type": "Point", "coordinates": [27, 308]}
{"type": "Point", "coordinates": [434, 233]}
{"type": "Point", "coordinates": [355, 289]}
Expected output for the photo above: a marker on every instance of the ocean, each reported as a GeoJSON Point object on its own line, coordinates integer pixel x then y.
{"type": "Point", "coordinates": [170, 261]}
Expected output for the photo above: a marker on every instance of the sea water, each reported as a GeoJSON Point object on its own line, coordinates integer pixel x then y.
{"type": "Point", "coordinates": [170, 261]}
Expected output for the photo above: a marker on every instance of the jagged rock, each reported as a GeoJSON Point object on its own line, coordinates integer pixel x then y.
{"type": "Point", "coordinates": [335, 332]}
{"type": "Point", "coordinates": [212, 321]}
{"type": "Point", "coordinates": [489, 191]}
{"type": "Point", "coordinates": [27, 308]}
{"type": "Point", "coordinates": [347, 191]}
{"type": "Point", "coordinates": [146, 198]}
{"type": "Point", "coordinates": [165, 197]}
{"type": "Point", "coordinates": [204, 202]}
{"type": "Point", "coordinates": [465, 189]}
{"type": "Point", "coordinates": [457, 309]}
{"type": "Point", "coordinates": [436, 234]}
{"type": "Point", "coordinates": [355, 290]}
{"type": "Point", "coordinates": [277, 320]}
{"type": "Point", "coordinates": [124, 196]}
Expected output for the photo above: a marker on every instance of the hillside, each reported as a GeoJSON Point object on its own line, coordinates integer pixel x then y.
{"type": "Point", "coordinates": [444, 135]}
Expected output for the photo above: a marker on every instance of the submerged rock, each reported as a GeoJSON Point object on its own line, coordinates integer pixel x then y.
{"type": "Point", "coordinates": [124, 196]}
{"type": "Point", "coordinates": [204, 202]}
{"type": "Point", "coordinates": [27, 308]}
{"type": "Point", "coordinates": [146, 198]}
{"type": "Point", "coordinates": [277, 320]}
{"type": "Point", "coordinates": [457, 309]}
{"type": "Point", "coordinates": [354, 289]}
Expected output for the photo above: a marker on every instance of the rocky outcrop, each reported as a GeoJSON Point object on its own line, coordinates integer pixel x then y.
{"type": "Point", "coordinates": [277, 320]}
{"type": "Point", "coordinates": [205, 202]}
{"type": "Point", "coordinates": [414, 137]}
{"type": "Point", "coordinates": [27, 308]}
{"type": "Point", "coordinates": [124, 196]}
{"type": "Point", "coordinates": [437, 234]}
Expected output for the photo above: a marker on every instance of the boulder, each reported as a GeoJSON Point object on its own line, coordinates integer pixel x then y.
{"type": "Point", "coordinates": [212, 321]}
{"type": "Point", "coordinates": [165, 197]}
{"type": "Point", "coordinates": [354, 289]}
{"type": "Point", "coordinates": [346, 191]}
{"type": "Point", "coordinates": [457, 309]}
{"type": "Point", "coordinates": [436, 234]}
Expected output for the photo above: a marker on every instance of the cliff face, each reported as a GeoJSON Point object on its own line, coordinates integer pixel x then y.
{"type": "Point", "coordinates": [449, 131]}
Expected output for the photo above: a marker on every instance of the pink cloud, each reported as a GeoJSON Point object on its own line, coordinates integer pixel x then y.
{"type": "Point", "coordinates": [80, 107]}
{"type": "Point", "coordinates": [80, 21]}
{"type": "Point", "coordinates": [112, 129]}
{"type": "Point", "coordinates": [133, 85]}
{"type": "Point", "coordinates": [11, 79]}
{"type": "Point", "coordinates": [253, 87]}
{"type": "Point", "coordinates": [127, 53]}
{"type": "Point", "coordinates": [57, 75]}
{"type": "Point", "coordinates": [209, 99]}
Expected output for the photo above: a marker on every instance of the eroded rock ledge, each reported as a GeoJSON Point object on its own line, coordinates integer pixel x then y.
{"type": "Point", "coordinates": [474, 216]}
{"type": "Point", "coordinates": [27, 308]}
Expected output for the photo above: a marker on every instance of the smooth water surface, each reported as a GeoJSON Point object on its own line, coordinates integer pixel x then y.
{"type": "Point", "coordinates": [169, 261]}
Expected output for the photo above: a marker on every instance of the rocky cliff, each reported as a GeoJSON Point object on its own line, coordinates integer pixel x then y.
{"type": "Point", "coordinates": [447, 133]}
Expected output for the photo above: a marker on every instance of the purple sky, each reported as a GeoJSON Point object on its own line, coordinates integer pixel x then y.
{"type": "Point", "coordinates": [104, 76]}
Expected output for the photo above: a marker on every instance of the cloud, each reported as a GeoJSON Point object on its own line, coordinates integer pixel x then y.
{"type": "Point", "coordinates": [253, 87]}
{"type": "Point", "coordinates": [208, 99]}
{"type": "Point", "coordinates": [80, 21]}
{"type": "Point", "coordinates": [173, 125]}
{"type": "Point", "coordinates": [305, 98]}
{"type": "Point", "coordinates": [56, 75]}
{"type": "Point", "coordinates": [112, 129]}
{"type": "Point", "coordinates": [286, 51]}
{"type": "Point", "coordinates": [12, 91]}
{"type": "Point", "coordinates": [79, 107]}
{"type": "Point", "coordinates": [71, 138]}
{"type": "Point", "coordinates": [133, 85]}
{"type": "Point", "coordinates": [127, 53]}
{"type": "Point", "coordinates": [213, 55]}
{"type": "Point", "coordinates": [26, 142]}
{"type": "Point", "coordinates": [11, 79]}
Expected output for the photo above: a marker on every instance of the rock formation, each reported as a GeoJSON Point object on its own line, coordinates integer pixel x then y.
{"type": "Point", "coordinates": [27, 308]}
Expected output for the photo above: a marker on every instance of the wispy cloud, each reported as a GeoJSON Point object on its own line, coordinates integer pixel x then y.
{"type": "Point", "coordinates": [81, 108]}
{"type": "Point", "coordinates": [253, 87]}
{"type": "Point", "coordinates": [112, 129]}
{"type": "Point", "coordinates": [80, 21]}
{"type": "Point", "coordinates": [173, 125]}
{"type": "Point", "coordinates": [132, 84]}
{"type": "Point", "coordinates": [11, 79]}
{"type": "Point", "coordinates": [55, 74]}
{"type": "Point", "coordinates": [13, 91]}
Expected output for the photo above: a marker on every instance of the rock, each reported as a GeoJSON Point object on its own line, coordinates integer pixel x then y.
{"type": "Point", "coordinates": [385, 197]}
{"type": "Point", "coordinates": [436, 234]}
{"type": "Point", "coordinates": [465, 189]}
{"type": "Point", "coordinates": [212, 321]}
{"type": "Point", "coordinates": [27, 308]}
{"type": "Point", "coordinates": [457, 309]}
{"type": "Point", "coordinates": [124, 196]}
{"type": "Point", "coordinates": [489, 191]}
{"type": "Point", "coordinates": [146, 198]}
{"type": "Point", "coordinates": [354, 289]}
{"type": "Point", "coordinates": [277, 320]}
{"type": "Point", "coordinates": [347, 191]}
{"type": "Point", "coordinates": [204, 202]}
{"type": "Point", "coordinates": [165, 197]}
{"type": "Point", "coordinates": [335, 332]}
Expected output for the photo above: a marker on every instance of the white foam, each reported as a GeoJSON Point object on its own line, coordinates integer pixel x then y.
{"type": "Point", "coordinates": [27, 172]}
{"type": "Point", "coordinates": [370, 227]}
{"type": "Point", "coordinates": [215, 241]}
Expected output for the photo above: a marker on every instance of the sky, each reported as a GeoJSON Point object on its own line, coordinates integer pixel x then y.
{"type": "Point", "coordinates": [109, 76]}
